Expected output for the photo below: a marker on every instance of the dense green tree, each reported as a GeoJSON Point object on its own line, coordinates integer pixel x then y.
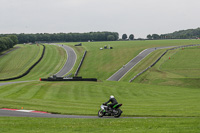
{"type": "Point", "coordinates": [7, 42]}
{"type": "Point", "coordinates": [14, 39]}
{"type": "Point", "coordinates": [149, 37]}
{"type": "Point", "coordinates": [66, 37]}
{"type": "Point", "coordinates": [182, 34]}
{"type": "Point", "coordinates": [2, 45]}
{"type": "Point", "coordinates": [155, 36]}
{"type": "Point", "coordinates": [124, 36]}
{"type": "Point", "coordinates": [131, 37]}
{"type": "Point", "coordinates": [110, 38]}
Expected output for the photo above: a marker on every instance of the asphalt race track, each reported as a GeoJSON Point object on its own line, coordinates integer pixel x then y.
{"type": "Point", "coordinates": [29, 114]}
{"type": "Point", "coordinates": [71, 60]}
{"type": "Point", "coordinates": [7, 83]}
{"type": "Point", "coordinates": [9, 113]}
{"type": "Point", "coordinates": [126, 68]}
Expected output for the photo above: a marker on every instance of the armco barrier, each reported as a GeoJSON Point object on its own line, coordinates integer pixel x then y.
{"type": "Point", "coordinates": [73, 79]}
{"type": "Point", "coordinates": [24, 74]}
{"type": "Point", "coordinates": [160, 58]}
{"type": "Point", "coordinates": [76, 73]}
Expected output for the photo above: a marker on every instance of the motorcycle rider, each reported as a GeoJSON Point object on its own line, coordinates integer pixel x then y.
{"type": "Point", "coordinates": [113, 102]}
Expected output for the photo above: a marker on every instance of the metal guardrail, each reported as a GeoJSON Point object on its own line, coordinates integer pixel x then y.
{"type": "Point", "coordinates": [160, 58]}
{"type": "Point", "coordinates": [77, 71]}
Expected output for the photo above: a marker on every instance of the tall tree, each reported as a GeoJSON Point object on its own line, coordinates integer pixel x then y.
{"type": "Point", "coordinates": [131, 36]}
{"type": "Point", "coordinates": [124, 36]}
{"type": "Point", "coordinates": [2, 45]}
{"type": "Point", "coordinates": [155, 36]}
{"type": "Point", "coordinates": [7, 42]}
{"type": "Point", "coordinates": [14, 39]}
{"type": "Point", "coordinates": [149, 37]}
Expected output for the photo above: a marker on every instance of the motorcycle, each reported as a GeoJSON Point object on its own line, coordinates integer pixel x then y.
{"type": "Point", "coordinates": [114, 111]}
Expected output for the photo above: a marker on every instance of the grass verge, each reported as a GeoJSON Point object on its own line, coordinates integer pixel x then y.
{"type": "Point", "coordinates": [52, 125]}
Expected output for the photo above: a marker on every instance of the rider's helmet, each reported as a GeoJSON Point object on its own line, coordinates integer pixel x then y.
{"type": "Point", "coordinates": [111, 96]}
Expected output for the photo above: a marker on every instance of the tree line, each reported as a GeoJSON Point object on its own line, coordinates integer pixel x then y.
{"type": "Point", "coordinates": [182, 34]}
{"type": "Point", "coordinates": [7, 42]}
{"type": "Point", "coordinates": [67, 37]}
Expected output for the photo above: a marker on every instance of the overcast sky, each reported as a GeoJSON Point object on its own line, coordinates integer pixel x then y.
{"type": "Point", "coordinates": [138, 17]}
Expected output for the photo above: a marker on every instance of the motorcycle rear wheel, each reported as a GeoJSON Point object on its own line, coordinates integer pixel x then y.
{"type": "Point", "coordinates": [100, 113]}
{"type": "Point", "coordinates": [118, 113]}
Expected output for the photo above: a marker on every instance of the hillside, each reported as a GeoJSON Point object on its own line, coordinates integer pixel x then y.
{"type": "Point", "coordinates": [181, 69]}
{"type": "Point", "coordinates": [163, 99]}
{"type": "Point", "coordinates": [184, 34]}
{"type": "Point", "coordinates": [101, 64]}
{"type": "Point", "coordinates": [19, 61]}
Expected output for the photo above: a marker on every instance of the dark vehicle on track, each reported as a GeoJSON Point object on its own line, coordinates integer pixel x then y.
{"type": "Point", "coordinates": [114, 111]}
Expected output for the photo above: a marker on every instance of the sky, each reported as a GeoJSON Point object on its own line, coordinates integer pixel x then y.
{"type": "Point", "coordinates": [138, 17]}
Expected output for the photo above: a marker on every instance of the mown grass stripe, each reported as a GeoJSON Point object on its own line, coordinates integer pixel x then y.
{"type": "Point", "coordinates": [50, 64]}
{"type": "Point", "coordinates": [32, 90]}
{"type": "Point", "coordinates": [11, 91]}
{"type": "Point", "coordinates": [41, 92]}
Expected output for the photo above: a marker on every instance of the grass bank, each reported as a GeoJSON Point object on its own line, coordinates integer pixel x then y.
{"type": "Point", "coordinates": [179, 67]}
{"type": "Point", "coordinates": [19, 61]}
{"type": "Point", "coordinates": [52, 62]}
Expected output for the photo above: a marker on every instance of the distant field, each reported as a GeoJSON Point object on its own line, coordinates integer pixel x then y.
{"type": "Point", "coordinates": [101, 64]}
{"type": "Point", "coordinates": [19, 61]}
{"type": "Point", "coordinates": [182, 69]}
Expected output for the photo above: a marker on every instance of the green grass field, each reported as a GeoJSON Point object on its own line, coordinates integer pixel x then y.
{"type": "Point", "coordinates": [143, 64]}
{"type": "Point", "coordinates": [182, 69]}
{"type": "Point", "coordinates": [52, 125]}
{"type": "Point", "coordinates": [85, 98]}
{"type": "Point", "coordinates": [184, 62]}
{"type": "Point", "coordinates": [101, 64]}
{"type": "Point", "coordinates": [53, 60]}
{"type": "Point", "coordinates": [19, 61]}
{"type": "Point", "coordinates": [169, 89]}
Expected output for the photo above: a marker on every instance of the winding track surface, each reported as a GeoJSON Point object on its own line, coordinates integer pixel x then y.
{"type": "Point", "coordinates": [9, 51]}
{"type": "Point", "coordinates": [71, 60]}
{"type": "Point", "coordinates": [9, 113]}
{"type": "Point", "coordinates": [7, 83]}
{"type": "Point", "coordinates": [29, 114]}
{"type": "Point", "coordinates": [126, 68]}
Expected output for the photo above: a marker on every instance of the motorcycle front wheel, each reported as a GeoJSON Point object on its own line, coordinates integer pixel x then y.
{"type": "Point", "coordinates": [100, 113]}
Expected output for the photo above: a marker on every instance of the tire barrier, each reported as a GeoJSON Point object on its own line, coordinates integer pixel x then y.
{"type": "Point", "coordinates": [69, 79]}
{"type": "Point", "coordinates": [160, 58]}
{"type": "Point", "coordinates": [76, 73]}
{"type": "Point", "coordinates": [24, 74]}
